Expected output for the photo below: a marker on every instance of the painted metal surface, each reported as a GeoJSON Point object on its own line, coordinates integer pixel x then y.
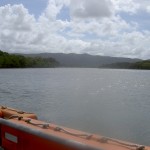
{"type": "Point", "coordinates": [19, 132]}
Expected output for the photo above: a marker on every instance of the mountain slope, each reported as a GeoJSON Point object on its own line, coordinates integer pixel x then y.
{"type": "Point", "coordinates": [82, 60]}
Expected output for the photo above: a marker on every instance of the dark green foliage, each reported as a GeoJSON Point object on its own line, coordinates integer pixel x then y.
{"type": "Point", "coordinates": [18, 61]}
{"type": "Point", "coordinates": [142, 65]}
{"type": "Point", "coordinates": [138, 65]}
{"type": "Point", "coordinates": [39, 62]}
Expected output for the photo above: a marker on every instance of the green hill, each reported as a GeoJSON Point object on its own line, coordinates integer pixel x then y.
{"type": "Point", "coordinates": [18, 61]}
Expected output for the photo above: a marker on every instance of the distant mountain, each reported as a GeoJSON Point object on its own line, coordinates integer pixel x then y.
{"type": "Point", "coordinates": [82, 60]}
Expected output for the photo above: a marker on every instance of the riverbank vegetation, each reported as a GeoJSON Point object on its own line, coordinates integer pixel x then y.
{"type": "Point", "coordinates": [142, 65]}
{"type": "Point", "coordinates": [145, 65]}
{"type": "Point", "coordinates": [18, 61]}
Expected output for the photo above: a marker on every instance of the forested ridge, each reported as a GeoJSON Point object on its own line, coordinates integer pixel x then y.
{"type": "Point", "coordinates": [18, 61]}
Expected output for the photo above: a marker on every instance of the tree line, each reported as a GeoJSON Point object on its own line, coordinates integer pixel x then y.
{"type": "Point", "coordinates": [145, 65]}
{"type": "Point", "coordinates": [18, 61]}
{"type": "Point", "coordinates": [142, 65]}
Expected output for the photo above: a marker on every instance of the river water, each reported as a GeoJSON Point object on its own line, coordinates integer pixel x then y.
{"type": "Point", "coordinates": [114, 103]}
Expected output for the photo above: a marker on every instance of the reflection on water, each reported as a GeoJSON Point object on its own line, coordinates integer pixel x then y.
{"type": "Point", "coordinates": [114, 103]}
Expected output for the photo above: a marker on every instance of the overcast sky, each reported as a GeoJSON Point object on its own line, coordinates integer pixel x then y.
{"type": "Point", "coordinates": [98, 27]}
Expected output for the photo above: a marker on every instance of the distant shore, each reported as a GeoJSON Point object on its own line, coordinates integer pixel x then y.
{"type": "Point", "coordinates": [49, 60]}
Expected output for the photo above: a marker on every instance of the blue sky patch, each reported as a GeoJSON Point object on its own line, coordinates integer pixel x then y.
{"type": "Point", "coordinates": [142, 18]}
{"type": "Point", "coordinates": [35, 7]}
{"type": "Point", "coordinates": [64, 14]}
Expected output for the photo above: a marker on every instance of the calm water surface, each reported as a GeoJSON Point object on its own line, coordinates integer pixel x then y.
{"type": "Point", "coordinates": [114, 103]}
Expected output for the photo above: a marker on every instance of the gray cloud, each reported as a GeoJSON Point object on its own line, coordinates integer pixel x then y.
{"type": "Point", "coordinates": [91, 8]}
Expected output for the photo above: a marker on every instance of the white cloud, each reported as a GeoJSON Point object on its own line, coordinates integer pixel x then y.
{"type": "Point", "coordinates": [106, 27]}
{"type": "Point", "coordinates": [15, 27]}
{"type": "Point", "coordinates": [15, 17]}
{"type": "Point", "coordinates": [53, 8]}
{"type": "Point", "coordinates": [132, 45]}
{"type": "Point", "coordinates": [129, 6]}
{"type": "Point", "coordinates": [21, 32]}
{"type": "Point", "coordinates": [148, 9]}
{"type": "Point", "coordinates": [143, 5]}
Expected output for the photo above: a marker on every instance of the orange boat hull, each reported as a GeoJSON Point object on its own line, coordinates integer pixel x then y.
{"type": "Point", "coordinates": [24, 133]}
